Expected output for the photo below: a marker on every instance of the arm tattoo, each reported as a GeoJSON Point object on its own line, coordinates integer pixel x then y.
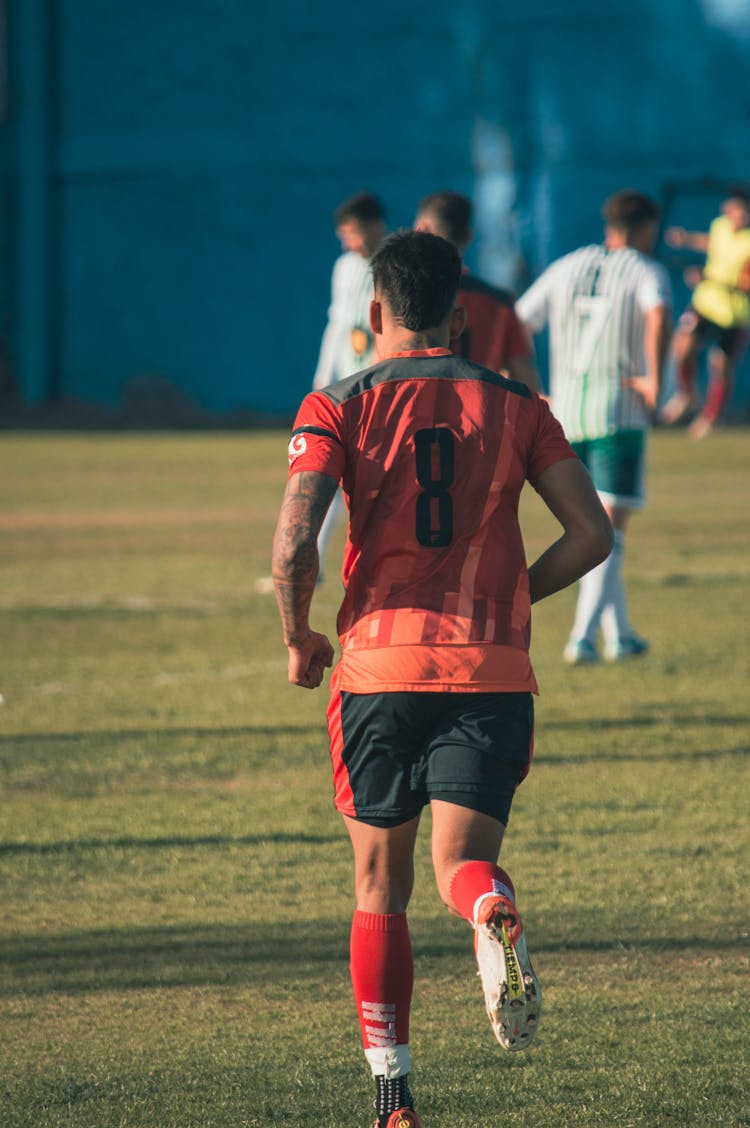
{"type": "Point", "coordinates": [295, 551]}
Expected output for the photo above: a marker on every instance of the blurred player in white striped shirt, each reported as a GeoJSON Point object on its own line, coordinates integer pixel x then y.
{"type": "Point", "coordinates": [608, 307]}
{"type": "Point", "coordinates": [347, 345]}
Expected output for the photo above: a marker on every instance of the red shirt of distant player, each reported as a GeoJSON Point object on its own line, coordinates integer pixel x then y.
{"type": "Point", "coordinates": [494, 333]}
{"type": "Point", "coordinates": [432, 452]}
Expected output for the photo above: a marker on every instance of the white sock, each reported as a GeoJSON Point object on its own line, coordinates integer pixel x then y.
{"type": "Point", "coordinates": [615, 619]}
{"type": "Point", "coordinates": [389, 1061]}
{"type": "Point", "coordinates": [598, 589]}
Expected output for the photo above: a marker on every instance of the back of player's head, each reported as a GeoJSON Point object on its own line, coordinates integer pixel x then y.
{"type": "Point", "coordinates": [740, 193]}
{"type": "Point", "coordinates": [362, 207]}
{"type": "Point", "coordinates": [418, 275]}
{"type": "Point", "coordinates": [451, 213]}
{"type": "Point", "coordinates": [628, 210]}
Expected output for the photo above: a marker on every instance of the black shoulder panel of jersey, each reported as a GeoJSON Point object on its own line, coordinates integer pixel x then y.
{"type": "Point", "coordinates": [470, 284]}
{"type": "Point", "coordinates": [359, 382]}
{"type": "Point", "coordinates": [490, 377]}
{"type": "Point", "coordinates": [418, 368]}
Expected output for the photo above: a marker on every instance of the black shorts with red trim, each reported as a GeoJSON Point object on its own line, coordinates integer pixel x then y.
{"type": "Point", "coordinates": [394, 752]}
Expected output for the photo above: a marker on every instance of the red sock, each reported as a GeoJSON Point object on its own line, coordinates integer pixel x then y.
{"type": "Point", "coordinates": [382, 971]}
{"type": "Point", "coordinates": [717, 395]}
{"type": "Point", "coordinates": [473, 880]}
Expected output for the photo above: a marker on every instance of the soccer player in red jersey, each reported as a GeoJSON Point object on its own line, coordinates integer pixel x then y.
{"type": "Point", "coordinates": [493, 336]}
{"type": "Point", "coordinates": [431, 700]}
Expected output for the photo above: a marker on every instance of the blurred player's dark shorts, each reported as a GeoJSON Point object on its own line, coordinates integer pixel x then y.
{"type": "Point", "coordinates": [617, 465]}
{"type": "Point", "coordinates": [732, 341]}
{"type": "Point", "coordinates": [394, 752]}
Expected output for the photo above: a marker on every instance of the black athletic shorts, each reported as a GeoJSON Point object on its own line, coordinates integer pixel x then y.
{"type": "Point", "coordinates": [732, 341]}
{"type": "Point", "coordinates": [394, 752]}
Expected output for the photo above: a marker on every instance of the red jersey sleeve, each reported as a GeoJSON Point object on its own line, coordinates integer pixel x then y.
{"type": "Point", "coordinates": [317, 438]}
{"type": "Point", "coordinates": [548, 445]}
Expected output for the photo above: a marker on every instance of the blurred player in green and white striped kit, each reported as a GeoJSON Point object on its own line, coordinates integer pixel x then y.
{"type": "Point", "coordinates": [347, 345]}
{"type": "Point", "coordinates": [608, 307]}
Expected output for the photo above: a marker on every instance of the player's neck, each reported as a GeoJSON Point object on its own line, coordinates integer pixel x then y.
{"type": "Point", "coordinates": [639, 238]}
{"type": "Point", "coordinates": [406, 341]}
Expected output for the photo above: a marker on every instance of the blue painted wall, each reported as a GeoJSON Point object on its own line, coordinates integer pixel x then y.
{"type": "Point", "coordinates": [168, 173]}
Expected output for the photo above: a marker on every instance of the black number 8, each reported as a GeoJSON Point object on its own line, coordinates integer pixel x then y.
{"type": "Point", "coordinates": [434, 489]}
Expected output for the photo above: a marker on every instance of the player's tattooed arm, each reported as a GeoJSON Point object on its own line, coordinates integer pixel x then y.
{"type": "Point", "coordinates": [295, 552]}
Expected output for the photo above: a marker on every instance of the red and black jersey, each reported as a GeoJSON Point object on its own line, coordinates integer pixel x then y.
{"type": "Point", "coordinates": [432, 452]}
{"type": "Point", "coordinates": [494, 333]}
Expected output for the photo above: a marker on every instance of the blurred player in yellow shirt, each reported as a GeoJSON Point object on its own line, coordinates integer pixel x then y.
{"type": "Point", "coordinates": [718, 314]}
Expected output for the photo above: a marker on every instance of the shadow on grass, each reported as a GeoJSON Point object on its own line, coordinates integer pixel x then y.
{"type": "Point", "coordinates": [169, 957]}
{"type": "Point", "coordinates": [545, 724]}
{"type": "Point", "coordinates": [115, 735]}
{"type": "Point", "coordinates": [551, 757]}
{"type": "Point", "coordinates": [188, 843]}
{"type": "Point", "coordinates": [647, 720]}
{"type": "Point", "coordinates": [245, 954]}
{"type": "Point", "coordinates": [591, 726]}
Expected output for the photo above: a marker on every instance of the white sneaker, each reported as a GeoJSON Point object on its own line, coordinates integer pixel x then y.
{"type": "Point", "coordinates": [580, 652]}
{"type": "Point", "coordinates": [675, 409]}
{"type": "Point", "coordinates": [700, 427]}
{"type": "Point", "coordinates": [631, 646]}
{"type": "Point", "coordinates": [512, 994]}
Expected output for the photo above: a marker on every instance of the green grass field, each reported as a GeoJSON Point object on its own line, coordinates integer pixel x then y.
{"type": "Point", "coordinates": [175, 887]}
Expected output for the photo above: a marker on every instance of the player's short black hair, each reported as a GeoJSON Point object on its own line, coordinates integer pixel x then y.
{"type": "Point", "coordinates": [418, 275]}
{"type": "Point", "coordinates": [362, 207]}
{"type": "Point", "coordinates": [453, 213]}
{"type": "Point", "coordinates": [629, 209]}
{"type": "Point", "coordinates": [739, 192]}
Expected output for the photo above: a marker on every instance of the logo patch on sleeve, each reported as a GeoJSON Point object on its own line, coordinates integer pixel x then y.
{"type": "Point", "coordinates": [297, 446]}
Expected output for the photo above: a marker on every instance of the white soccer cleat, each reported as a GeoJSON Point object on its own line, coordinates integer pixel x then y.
{"type": "Point", "coordinates": [677, 408]}
{"type": "Point", "coordinates": [512, 993]}
{"type": "Point", "coordinates": [700, 427]}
